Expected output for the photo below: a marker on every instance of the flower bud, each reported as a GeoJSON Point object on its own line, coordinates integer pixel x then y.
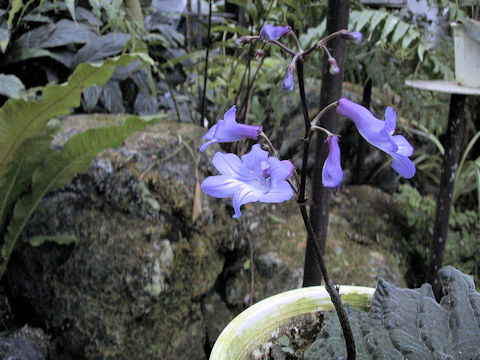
{"type": "Point", "coordinates": [259, 54]}
{"type": "Point", "coordinates": [242, 41]}
{"type": "Point", "coordinates": [355, 36]}
{"type": "Point", "coordinates": [287, 83]}
{"type": "Point", "coordinates": [334, 69]}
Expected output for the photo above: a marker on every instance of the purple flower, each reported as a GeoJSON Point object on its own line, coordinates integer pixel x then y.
{"type": "Point", "coordinates": [287, 83]}
{"type": "Point", "coordinates": [379, 133]}
{"type": "Point", "coordinates": [228, 130]}
{"type": "Point", "coordinates": [332, 173]}
{"type": "Point", "coordinates": [270, 32]}
{"type": "Point", "coordinates": [255, 177]}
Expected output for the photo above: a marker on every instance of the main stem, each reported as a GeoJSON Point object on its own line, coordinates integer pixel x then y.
{"type": "Point", "coordinates": [332, 291]}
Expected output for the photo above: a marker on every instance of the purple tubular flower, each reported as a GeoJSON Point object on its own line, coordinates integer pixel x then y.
{"type": "Point", "coordinates": [332, 173]}
{"type": "Point", "coordinates": [287, 83]}
{"type": "Point", "coordinates": [379, 133]}
{"type": "Point", "coordinates": [255, 177]}
{"type": "Point", "coordinates": [270, 32]}
{"type": "Point", "coordinates": [228, 130]}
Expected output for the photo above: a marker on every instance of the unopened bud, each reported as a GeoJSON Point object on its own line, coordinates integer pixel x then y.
{"type": "Point", "coordinates": [334, 69]}
{"type": "Point", "coordinates": [242, 41]}
{"type": "Point", "coordinates": [287, 83]}
{"type": "Point", "coordinates": [354, 36]}
{"type": "Point", "coordinates": [259, 54]}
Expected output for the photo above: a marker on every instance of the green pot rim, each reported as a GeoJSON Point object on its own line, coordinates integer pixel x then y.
{"type": "Point", "coordinates": [256, 324]}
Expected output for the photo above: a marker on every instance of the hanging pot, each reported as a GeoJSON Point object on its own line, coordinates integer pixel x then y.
{"type": "Point", "coordinates": [467, 53]}
{"type": "Point", "coordinates": [255, 326]}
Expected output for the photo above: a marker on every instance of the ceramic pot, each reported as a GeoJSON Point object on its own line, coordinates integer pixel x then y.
{"type": "Point", "coordinates": [255, 325]}
{"type": "Point", "coordinates": [467, 57]}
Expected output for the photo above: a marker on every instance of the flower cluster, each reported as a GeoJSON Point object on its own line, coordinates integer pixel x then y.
{"type": "Point", "coordinates": [259, 176]}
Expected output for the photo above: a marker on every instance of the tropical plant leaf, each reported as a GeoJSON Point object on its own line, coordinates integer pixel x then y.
{"type": "Point", "coordinates": [11, 86]}
{"type": "Point", "coordinates": [18, 178]}
{"type": "Point", "coordinates": [22, 119]}
{"type": "Point", "coordinates": [16, 5]}
{"type": "Point", "coordinates": [59, 169]}
{"type": "Point", "coordinates": [64, 32]}
{"type": "Point", "coordinates": [400, 31]}
{"type": "Point", "coordinates": [4, 39]}
{"type": "Point", "coordinates": [101, 47]}
{"type": "Point", "coordinates": [21, 54]}
{"type": "Point", "coordinates": [71, 8]}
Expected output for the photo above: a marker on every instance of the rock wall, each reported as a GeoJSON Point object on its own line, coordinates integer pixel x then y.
{"type": "Point", "coordinates": [149, 277]}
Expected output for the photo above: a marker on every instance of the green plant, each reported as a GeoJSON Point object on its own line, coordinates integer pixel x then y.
{"type": "Point", "coordinates": [29, 166]}
{"type": "Point", "coordinates": [461, 245]}
{"type": "Point", "coordinates": [410, 324]}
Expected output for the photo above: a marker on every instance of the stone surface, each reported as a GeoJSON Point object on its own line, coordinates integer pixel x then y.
{"type": "Point", "coordinates": [149, 277]}
{"type": "Point", "coordinates": [18, 349]}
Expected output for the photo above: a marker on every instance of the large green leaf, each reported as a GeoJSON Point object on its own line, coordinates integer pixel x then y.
{"type": "Point", "coordinates": [22, 119]}
{"type": "Point", "coordinates": [64, 32]}
{"type": "Point", "coordinates": [59, 169]}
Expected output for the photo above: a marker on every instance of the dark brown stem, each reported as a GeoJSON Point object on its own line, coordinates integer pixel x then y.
{"type": "Point", "coordinates": [202, 109]}
{"type": "Point", "coordinates": [306, 142]}
{"type": "Point", "coordinates": [330, 287]}
{"type": "Point", "coordinates": [283, 47]}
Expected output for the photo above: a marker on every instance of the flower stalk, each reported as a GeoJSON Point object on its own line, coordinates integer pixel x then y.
{"type": "Point", "coordinates": [332, 291]}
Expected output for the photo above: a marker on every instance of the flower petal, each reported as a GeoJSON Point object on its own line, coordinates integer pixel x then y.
{"type": "Point", "coordinates": [211, 132]}
{"type": "Point", "coordinates": [279, 192]}
{"type": "Point", "coordinates": [390, 120]}
{"type": "Point", "coordinates": [404, 147]}
{"type": "Point", "coordinates": [403, 165]}
{"type": "Point", "coordinates": [207, 144]}
{"type": "Point", "coordinates": [270, 32]}
{"type": "Point", "coordinates": [244, 194]}
{"type": "Point", "coordinates": [279, 170]}
{"type": "Point", "coordinates": [230, 165]}
{"type": "Point", "coordinates": [220, 186]}
{"type": "Point", "coordinates": [229, 116]}
{"type": "Point", "coordinates": [253, 159]}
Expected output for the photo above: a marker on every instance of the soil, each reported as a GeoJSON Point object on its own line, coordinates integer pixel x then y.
{"type": "Point", "coordinates": [291, 340]}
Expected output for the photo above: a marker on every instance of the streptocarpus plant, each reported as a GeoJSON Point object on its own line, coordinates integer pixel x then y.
{"type": "Point", "coordinates": [410, 324]}
{"type": "Point", "coordinates": [259, 176]}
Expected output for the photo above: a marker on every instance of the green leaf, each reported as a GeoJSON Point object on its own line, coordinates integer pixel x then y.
{"type": "Point", "coordinates": [421, 51]}
{"type": "Point", "coordinates": [376, 19]}
{"type": "Point", "coordinates": [65, 239]}
{"type": "Point", "coordinates": [4, 39]}
{"type": "Point", "coordinates": [231, 29]}
{"type": "Point", "coordinates": [363, 19]}
{"type": "Point", "coordinates": [22, 119]}
{"type": "Point", "coordinates": [71, 8]}
{"type": "Point", "coordinates": [59, 169]}
{"type": "Point", "coordinates": [390, 24]}
{"type": "Point", "coordinates": [410, 36]}
{"type": "Point", "coordinates": [21, 54]}
{"type": "Point", "coordinates": [11, 86]}
{"type": "Point", "coordinates": [16, 6]}
{"type": "Point", "coordinates": [400, 31]}
{"type": "Point", "coordinates": [64, 32]}
{"type": "Point", "coordinates": [241, 3]}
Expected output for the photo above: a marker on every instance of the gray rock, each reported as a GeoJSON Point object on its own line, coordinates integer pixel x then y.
{"type": "Point", "coordinates": [132, 285]}
{"type": "Point", "coordinates": [18, 349]}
